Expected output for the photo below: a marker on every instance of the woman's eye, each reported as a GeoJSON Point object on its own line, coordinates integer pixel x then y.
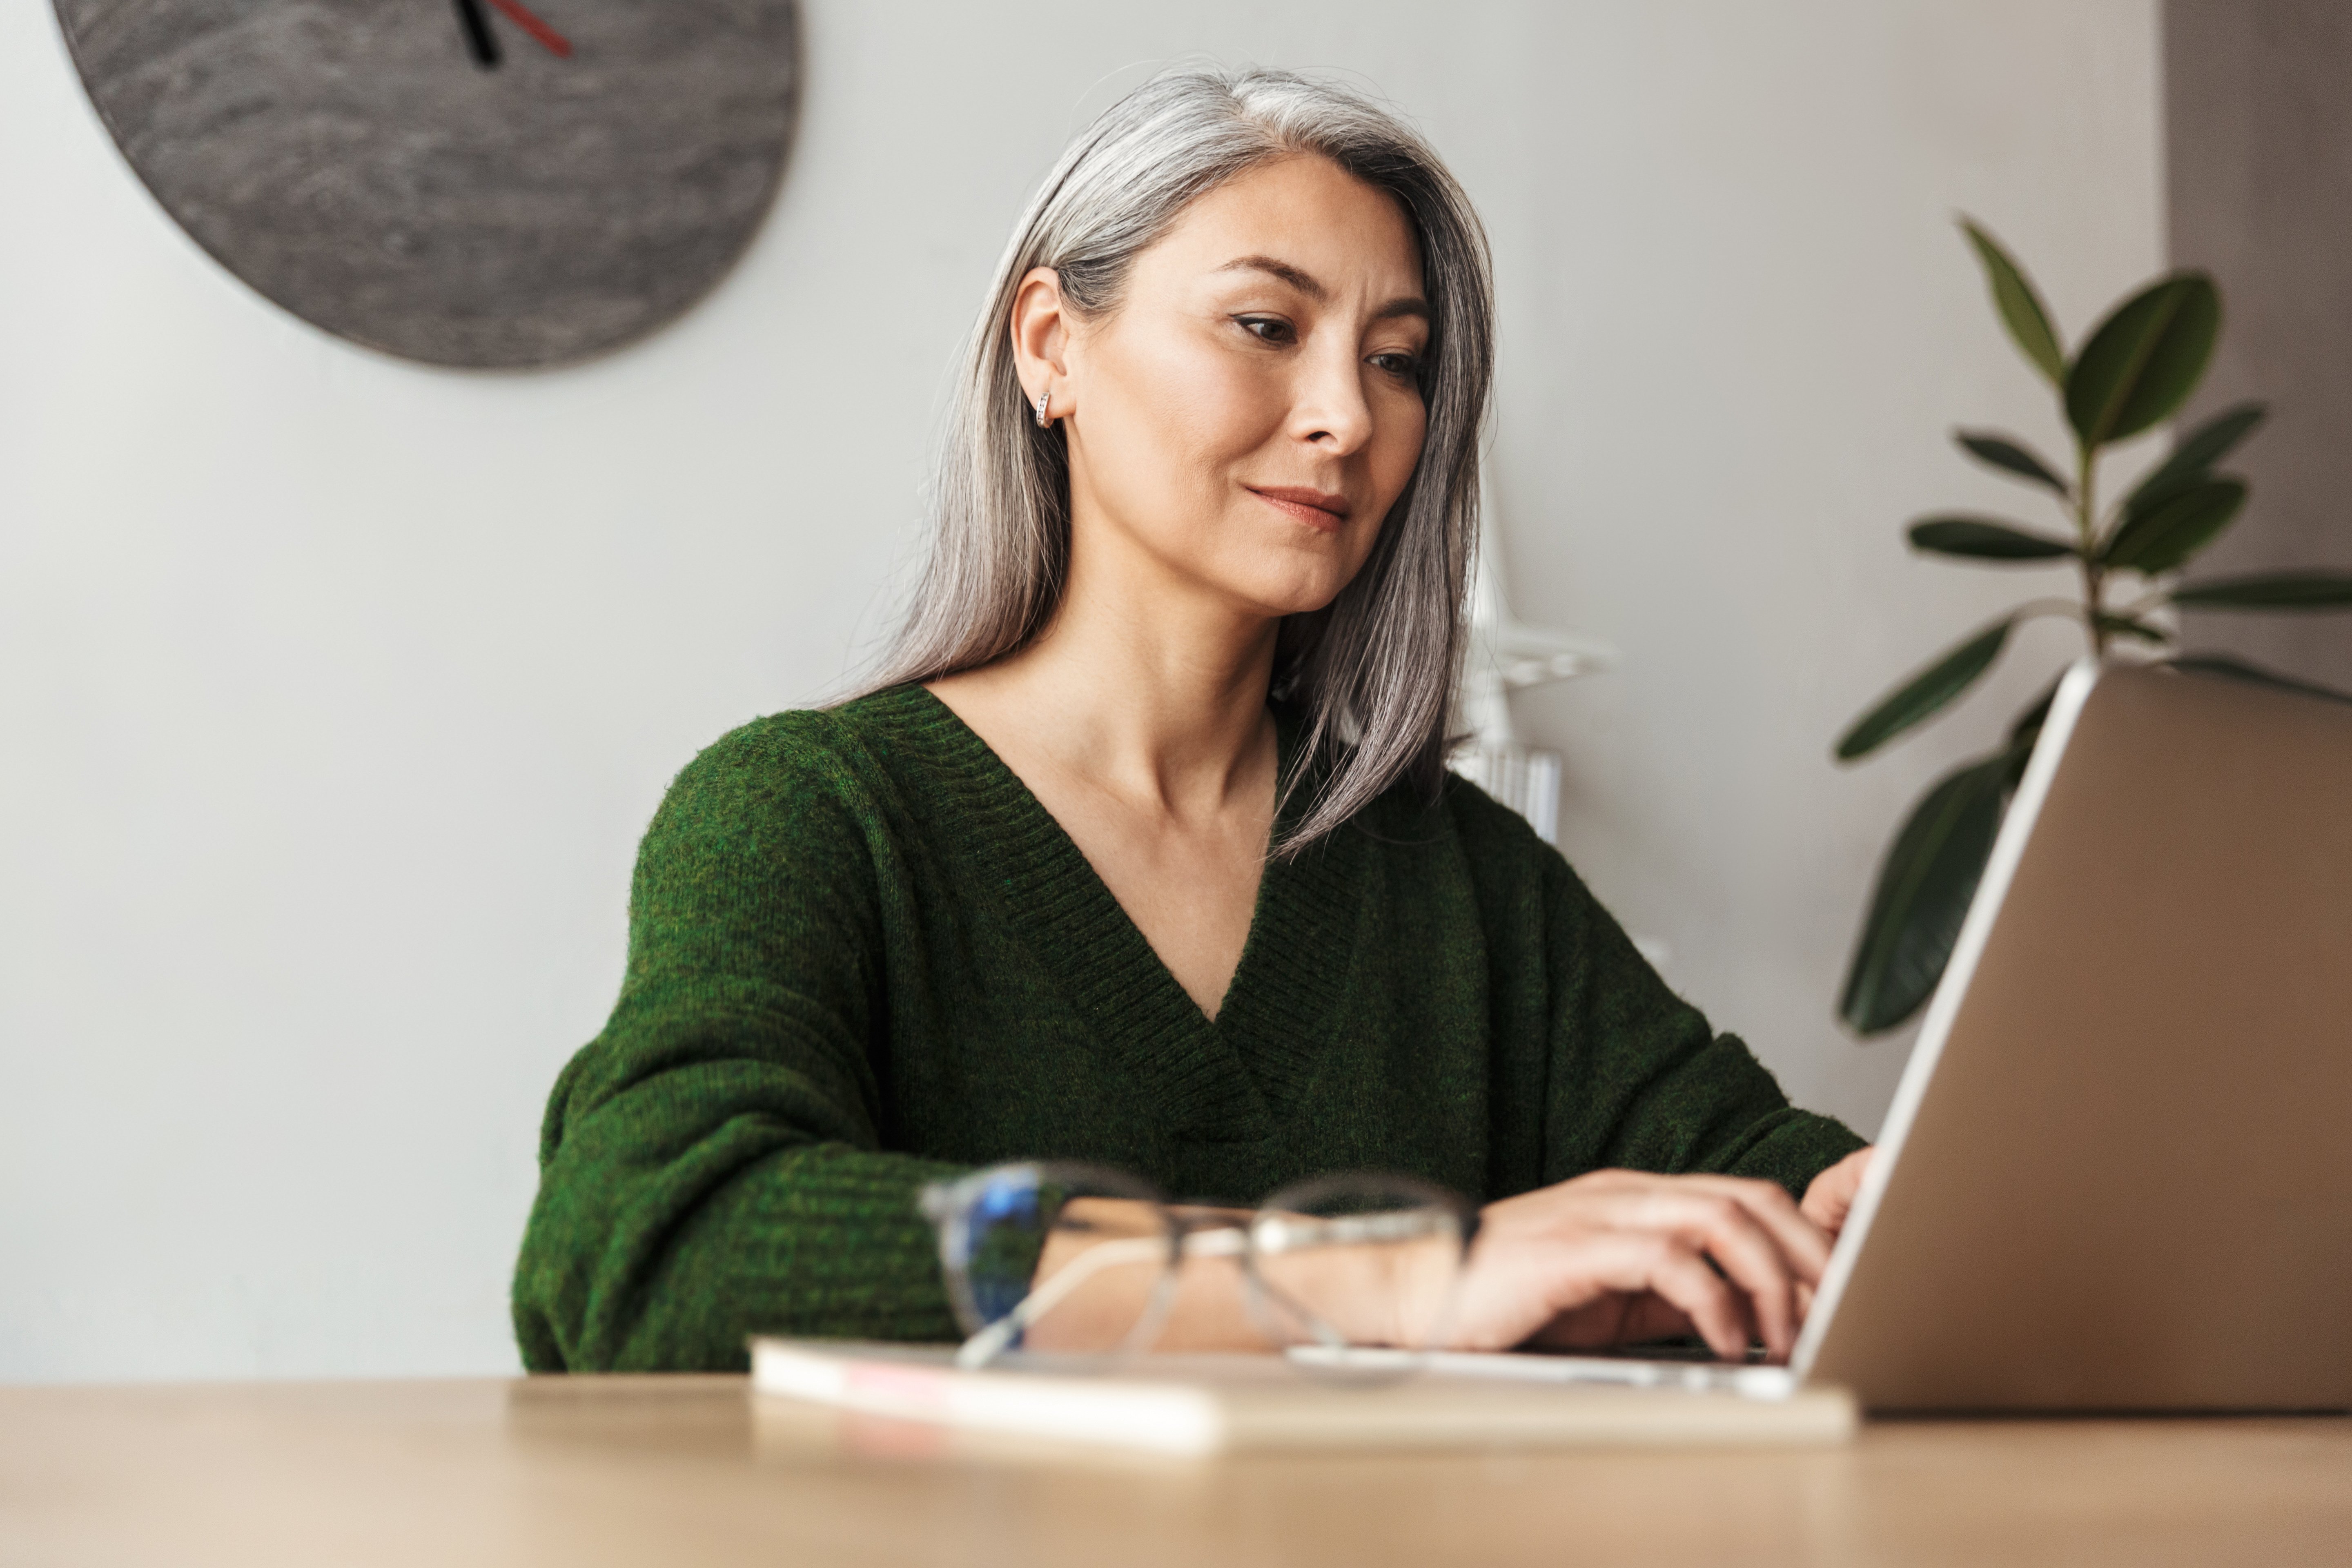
{"type": "Point", "coordinates": [1268, 329]}
{"type": "Point", "coordinates": [1400, 363]}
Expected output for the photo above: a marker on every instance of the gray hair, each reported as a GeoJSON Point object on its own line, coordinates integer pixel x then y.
{"type": "Point", "coordinates": [1372, 672]}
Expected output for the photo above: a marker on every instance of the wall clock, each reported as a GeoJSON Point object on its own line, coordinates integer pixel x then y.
{"type": "Point", "coordinates": [487, 183]}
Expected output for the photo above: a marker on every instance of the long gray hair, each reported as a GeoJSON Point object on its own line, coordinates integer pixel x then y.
{"type": "Point", "coordinates": [1373, 671]}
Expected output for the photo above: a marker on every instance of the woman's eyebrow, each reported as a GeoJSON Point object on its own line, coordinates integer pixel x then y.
{"type": "Point", "coordinates": [1302, 281]}
{"type": "Point", "coordinates": [1305, 283]}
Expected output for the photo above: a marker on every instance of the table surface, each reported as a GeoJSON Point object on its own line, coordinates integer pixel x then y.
{"type": "Point", "coordinates": [684, 1470]}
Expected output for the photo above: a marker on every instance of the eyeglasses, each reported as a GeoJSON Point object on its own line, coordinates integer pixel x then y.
{"type": "Point", "coordinates": [1081, 1259]}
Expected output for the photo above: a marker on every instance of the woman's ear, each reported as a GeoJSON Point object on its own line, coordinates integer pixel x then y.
{"type": "Point", "coordinates": [1041, 334]}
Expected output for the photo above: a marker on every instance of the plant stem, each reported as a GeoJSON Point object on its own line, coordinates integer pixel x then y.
{"type": "Point", "coordinates": [2061, 609]}
{"type": "Point", "coordinates": [2086, 515]}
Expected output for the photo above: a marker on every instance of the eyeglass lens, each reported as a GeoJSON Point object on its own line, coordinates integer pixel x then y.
{"type": "Point", "coordinates": [1085, 1258]}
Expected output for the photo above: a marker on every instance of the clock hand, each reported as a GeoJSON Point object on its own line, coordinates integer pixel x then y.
{"type": "Point", "coordinates": [479, 41]}
{"type": "Point", "coordinates": [557, 44]}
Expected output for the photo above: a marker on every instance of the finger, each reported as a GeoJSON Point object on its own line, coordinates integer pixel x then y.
{"type": "Point", "coordinates": [1728, 1217]}
{"type": "Point", "coordinates": [1829, 1200]}
{"type": "Point", "coordinates": [1714, 1310]}
{"type": "Point", "coordinates": [1748, 1255]}
{"type": "Point", "coordinates": [1631, 1261]}
{"type": "Point", "coordinates": [1805, 1244]}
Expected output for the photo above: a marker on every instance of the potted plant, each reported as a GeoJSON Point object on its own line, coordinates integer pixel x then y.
{"type": "Point", "coordinates": [2133, 371]}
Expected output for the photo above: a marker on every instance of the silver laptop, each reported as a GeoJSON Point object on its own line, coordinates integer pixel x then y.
{"type": "Point", "coordinates": [2117, 1174]}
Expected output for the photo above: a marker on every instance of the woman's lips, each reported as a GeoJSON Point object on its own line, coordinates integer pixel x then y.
{"type": "Point", "coordinates": [1313, 508]}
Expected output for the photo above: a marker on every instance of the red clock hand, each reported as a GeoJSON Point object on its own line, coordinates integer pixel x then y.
{"type": "Point", "coordinates": [557, 44]}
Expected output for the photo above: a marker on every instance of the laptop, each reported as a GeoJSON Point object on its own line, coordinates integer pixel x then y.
{"type": "Point", "coordinates": [2117, 1173]}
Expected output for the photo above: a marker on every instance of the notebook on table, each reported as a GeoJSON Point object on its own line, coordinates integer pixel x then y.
{"type": "Point", "coordinates": [1202, 1404]}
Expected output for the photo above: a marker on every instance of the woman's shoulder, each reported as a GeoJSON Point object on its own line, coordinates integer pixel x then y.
{"type": "Point", "coordinates": [799, 761]}
{"type": "Point", "coordinates": [1487, 821]}
{"type": "Point", "coordinates": [1458, 818]}
{"type": "Point", "coordinates": [820, 740]}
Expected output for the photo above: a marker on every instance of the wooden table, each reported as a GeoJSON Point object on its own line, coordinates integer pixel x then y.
{"type": "Point", "coordinates": [687, 1471]}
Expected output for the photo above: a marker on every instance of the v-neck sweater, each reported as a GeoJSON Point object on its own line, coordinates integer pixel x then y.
{"type": "Point", "coordinates": [863, 956]}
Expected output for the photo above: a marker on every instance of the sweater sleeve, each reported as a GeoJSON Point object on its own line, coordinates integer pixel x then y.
{"type": "Point", "coordinates": [711, 1165]}
{"type": "Point", "coordinates": [1639, 1080]}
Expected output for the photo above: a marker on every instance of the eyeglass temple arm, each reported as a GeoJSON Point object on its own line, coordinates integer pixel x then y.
{"type": "Point", "coordinates": [1224, 1241]}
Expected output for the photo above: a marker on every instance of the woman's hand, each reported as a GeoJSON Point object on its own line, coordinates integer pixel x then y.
{"type": "Point", "coordinates": [1609, 1258]}
{"type": "Point", "coordinates": [1830, 1196]}
{"type": "Point", "coordinates": [1618, 1257]}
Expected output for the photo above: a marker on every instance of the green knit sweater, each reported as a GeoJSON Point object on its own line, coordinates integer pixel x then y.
{"type": "Point", "coordinates": [862, 956]}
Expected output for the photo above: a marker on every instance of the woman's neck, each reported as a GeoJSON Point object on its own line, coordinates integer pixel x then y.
{"type": "Point", "coordinates": [1147, 687]}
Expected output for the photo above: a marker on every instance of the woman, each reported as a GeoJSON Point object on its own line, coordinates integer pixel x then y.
{"type": "Point", "coordinates": [1143, 852]}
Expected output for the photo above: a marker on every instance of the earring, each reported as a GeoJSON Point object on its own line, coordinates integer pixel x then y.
{"type": "Point", "coordinates": [1043, 398]}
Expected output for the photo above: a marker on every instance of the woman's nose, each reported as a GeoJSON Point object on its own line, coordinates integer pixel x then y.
{"type": "Point", "coordinates": [1330, 410]}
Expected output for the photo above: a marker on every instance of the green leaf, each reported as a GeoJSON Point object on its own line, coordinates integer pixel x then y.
{"type": "Point", "coordinates": [2155, 541]}
{"type": "Point", "coordinates": [2271, 591]}
{"type": "Point", "coordinates": [1924, 884]}
{"type": "Point", "coordinates": [2253, 674]}
{"type": "Point", "coordinates": [2198, 451]}
{"type": "Point", "coordinates": [2020, 307]}
{"type": "Point", "coordinates": [2142, 362]}
{"type": "Point", "coordinates": [1985, 540]}
{"type": "Point", "coordinates": [1925, 692]}
{"type": "Point", "coordinates": [2131, 627]}
{"type": "Point", "coordinates": [2161, 491]}
{"type": "Point", "coordinates": [2013, 456]}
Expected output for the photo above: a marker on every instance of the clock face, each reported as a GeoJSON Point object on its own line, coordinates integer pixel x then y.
{"type": "Point", "coordinates": [488, 183]}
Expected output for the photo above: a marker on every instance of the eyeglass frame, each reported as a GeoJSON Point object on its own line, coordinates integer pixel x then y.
{"type": "Point", "coordinates": [1246, 1234]}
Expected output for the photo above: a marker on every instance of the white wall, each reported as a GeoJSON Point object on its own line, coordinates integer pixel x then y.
{"type": "Point", "coordinates": [334, 690]}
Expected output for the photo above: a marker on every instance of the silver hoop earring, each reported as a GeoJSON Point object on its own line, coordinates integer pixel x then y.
{"type": "Point", "coordinates": [1043, 398]}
